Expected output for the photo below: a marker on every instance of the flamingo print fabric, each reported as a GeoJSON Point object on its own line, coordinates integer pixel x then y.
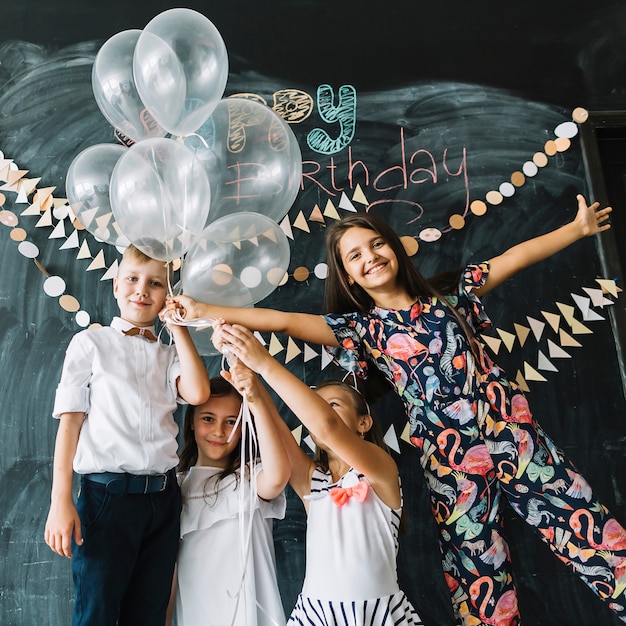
{"type": "Point", "coordinates": [478, 440]}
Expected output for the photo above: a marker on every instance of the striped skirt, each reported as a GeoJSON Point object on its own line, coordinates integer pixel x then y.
{"type": "Point", "coordinates": [394, 610]}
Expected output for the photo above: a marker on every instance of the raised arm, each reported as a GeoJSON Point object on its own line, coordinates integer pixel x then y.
{"type": "Point", "coordinates": [271, 480]}
{"type": "Point", "coordinates": [263, 408]}
{"type": "Point", "coordinates": [193, 383]}
{"type": "Point", "coordinates": [589, 220]}
{"type": "Point", "coordinates": [317, 415]}
{"type": "Point", "coordinates": [305, 326]}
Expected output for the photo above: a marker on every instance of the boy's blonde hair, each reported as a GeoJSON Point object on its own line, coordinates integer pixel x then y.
{"type": "Point", "coordinates": [133, 253]}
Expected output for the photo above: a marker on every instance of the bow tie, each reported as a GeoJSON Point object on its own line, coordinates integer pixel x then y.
{"type": "Point", "coordinates": [340, 495]}
{"type": "Point", "coordinates": [146, 333]}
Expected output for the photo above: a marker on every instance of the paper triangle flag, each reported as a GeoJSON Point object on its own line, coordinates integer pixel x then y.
{"type": "Point", "coordinates": [103, 221]}
{"type": "Point", "coordinates": [5, 168]}
{"type": "Point", "coordinates": [522, 333]}
{"type": "Point", "coordinates": [543, 363]}
{"type": "Point", "coordinates": [405, 434]}
{"type": "Point", "coordinates": [391, 439]}
{"type": "Point", "coordinates": [327, 359]}
{"type": "Point", "coordinates": [309, 353]}
{"type": "Point", "coordinates": [45, 219]}
{"type": "Point", "coordinates": [15, 175]}
{"type": "Point", "coordinates": [580, 329]}
{"type": "Point", "coordinates": [258, 335]}
{"type": "Point", "coordinates": [111, 272]}
{"type": "Point", "coordinates": [592, 316]}
{"type": "Point", "coordinates": [345, 204]}
{"type": "Point", "coordinates": [493, 342]}
{"type": "Point", "coordinates": [583, 303]}
{"type": "Point", "coordinates": [507, 338]}
{"type": "Point", "coordinates": [98, 263]}
{"type": "Point", "coordinates": [297, 434]}
{"type": "Point", "coordinates": [316, 215]}
{"type": "Point", "coordinates": [568, 340]}
{"type": "Point", "coordinates": [597, 296]}
{"type": "Point", "coordinates": [531, 373]}
{"type": "Point", "coordinates": [44, 194]}
{"type": "Point", "coordinates": [519, 379]}
{"type": "Point", "coordinates": [59, 231]}
{"type": "Point", "coordinates": [557, 352]}
{"type": "Point", "coordinates": [359, 196]}
{"type": "Point", "coordinates": [608, 285]}
{"type": "Point", "coordinates": [301, 223]}
{"type": "Point", "coordinates": [553, 319]}
{"type": "Point", "coordinates": [567, 311]}
{"type": "Point", "coordinates": [309, 443]}
{"type": "Point", "coordinates": [292, 350]}
{"type": "Point", "coordinates": [285, 226]}
{"type": "Point", "coordinates": [269, 234]}
{"type": "Point", "coordinates": [275, 345]}
{"type": "Point", "coordinates": [88, 216]}
{"type": "Point", "coordinates": [72, 242]}
{"type": "Point", "coordinates": [84, 252]}
{"type": "Point", "coordinates": [33, 209]}
{"type": "Point", "coordinates": [22, 198]}
{"type": "Point", "coordinates": [331, 211]}
{"type": "Point", "coordinates": [536, 326]}
{"type": "Point", "coordinates": [29, 184]}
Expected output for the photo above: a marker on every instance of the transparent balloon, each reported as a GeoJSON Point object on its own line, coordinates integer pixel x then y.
{"type": "Point", "coordinates": [114, 88]}
{"type": "Point", "coordinates": [238, 260]}
{"type": "Point", "coordinates": [87, 186]}
{"type": "Point", "coordinates": [211, 162]}
{"type": "Point", "coordinates": [259, 158]}
{"type": "Point", "coordinates": [160, 197]}
{"type": "Point", "coordinates": [180, 67]}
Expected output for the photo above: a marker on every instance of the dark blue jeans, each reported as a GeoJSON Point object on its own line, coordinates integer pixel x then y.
{"type": "Point", "coordinates": [123, 571]}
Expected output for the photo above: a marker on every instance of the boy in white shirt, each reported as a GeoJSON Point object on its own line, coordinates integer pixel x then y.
{"type": "Point", "coordinates": [115, 404]}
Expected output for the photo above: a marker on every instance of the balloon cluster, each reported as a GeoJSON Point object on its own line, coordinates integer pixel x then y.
{"type": "Point", "coordinates": [205, 179]}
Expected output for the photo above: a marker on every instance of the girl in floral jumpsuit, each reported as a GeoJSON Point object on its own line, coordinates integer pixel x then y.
{"type": "Point", "coordinates": [476, 435]}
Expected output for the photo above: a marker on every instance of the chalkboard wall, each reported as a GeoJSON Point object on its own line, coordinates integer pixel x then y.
{"type": "Point", "coordinates": [451, 101]}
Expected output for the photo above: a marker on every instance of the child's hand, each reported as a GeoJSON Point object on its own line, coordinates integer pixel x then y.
{"type": "Point", "coordinates": [184, 306]}
{"type": "Point", "coordinates": [243, 379]}
{"type": "Point", "coordinates": [591, 219]}
{"type": "Point", "coordinates": [62, 523]}
{"type": "Point", "coordinates": [244, 345]}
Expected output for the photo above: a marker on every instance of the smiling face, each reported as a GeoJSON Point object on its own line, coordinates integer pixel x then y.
{"type": "Point", "coordinates": [212, 425]}
{"type": "Point", "coordinates": [140, 288]}
{"type": "Point", "coordinates": [368, 260]}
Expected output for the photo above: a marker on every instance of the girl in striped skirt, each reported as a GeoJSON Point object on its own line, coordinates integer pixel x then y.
{"type": "Point", "coordinates": [351, 492]}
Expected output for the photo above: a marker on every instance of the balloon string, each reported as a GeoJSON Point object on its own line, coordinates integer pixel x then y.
{"type": "Point", "coordinates": [174, 317]}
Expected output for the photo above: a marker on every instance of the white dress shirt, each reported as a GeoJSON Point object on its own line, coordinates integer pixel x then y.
{"type": "Point", "coordinates": [126, 386]}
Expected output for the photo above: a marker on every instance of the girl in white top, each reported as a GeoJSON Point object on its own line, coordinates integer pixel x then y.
{"type": "Point", "coordinates": [218, 582]}
{"type": "Point", "coordinates": [351, 493]}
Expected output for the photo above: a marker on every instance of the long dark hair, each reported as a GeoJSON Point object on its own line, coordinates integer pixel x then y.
{"type": "Point", "coordinates": [342, 297]}
{"type": "Point", "coordinates": [189, 454]}
{"type": "Point", "coordinates": [374, 434]}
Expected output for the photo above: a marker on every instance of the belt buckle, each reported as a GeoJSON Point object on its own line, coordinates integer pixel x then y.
{"type": "Point", "coordinates": [164, 485]}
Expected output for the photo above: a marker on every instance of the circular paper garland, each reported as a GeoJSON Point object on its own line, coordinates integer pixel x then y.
{"type": "Point", "coordinates": [55, 286]}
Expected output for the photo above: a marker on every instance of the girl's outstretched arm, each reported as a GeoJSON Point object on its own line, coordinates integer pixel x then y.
{"type": "Point", "coordinates": [589, 220]}
{"type": "Point", "coordinates": [305, 326]}
{"type": "Point", "coordinates": [273, 478]}
{"type": "Point", "coordinates": [317, 415]}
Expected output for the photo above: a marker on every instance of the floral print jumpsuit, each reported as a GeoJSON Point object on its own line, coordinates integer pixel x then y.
{"type": "Point", "coordinates": [478, 440]}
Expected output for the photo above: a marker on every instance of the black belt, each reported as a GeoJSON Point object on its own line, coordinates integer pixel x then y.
{"type": "Point", "coordinates": [123, 483]}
